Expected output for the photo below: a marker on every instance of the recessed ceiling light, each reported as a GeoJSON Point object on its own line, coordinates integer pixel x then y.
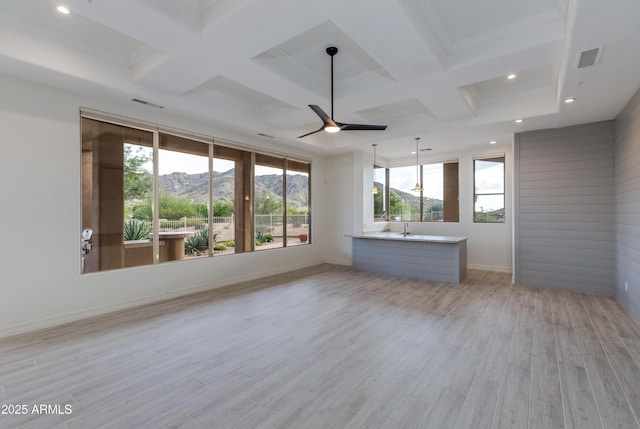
{"type": "Point", "coordinates": [569, 100]}
{"type": "Point", "coordinates": [511, 76]}
{"type": "Point", "coordinates": [493, 142]}
{"type": "Point", "coordinates": [413, 153]}
{"type": "Point", "coordinates": [63, 10]}
{"type": "Point", "coordinates": [519, 121]}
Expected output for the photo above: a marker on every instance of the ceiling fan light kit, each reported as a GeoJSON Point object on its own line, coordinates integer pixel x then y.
{"type": "Point", "coordinates": [329, 124]}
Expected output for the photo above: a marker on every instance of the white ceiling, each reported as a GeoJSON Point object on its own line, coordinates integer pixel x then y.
{"type": "Point", "coordinates": [429, 68]}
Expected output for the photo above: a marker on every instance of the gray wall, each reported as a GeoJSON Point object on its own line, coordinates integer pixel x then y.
{"type": "Point", "coordinates": [627, 220]}
{"type": "Point", "coordinates": [564, 208]}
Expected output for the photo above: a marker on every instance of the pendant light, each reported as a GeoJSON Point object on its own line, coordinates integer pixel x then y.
{"type": "Point", "coordinates": [417, 188]}
{"type": "Point", "coordinates": [375, 189]}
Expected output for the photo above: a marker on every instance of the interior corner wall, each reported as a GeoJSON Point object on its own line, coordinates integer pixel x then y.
{"type": "Point", "coordinates": [41, 284]}
{"type": "Point", "coordinates": [627, 219]}
{"type": "Point", "coordinates": [564, 188]}
{"type": "Point", "coordinates": [338, 216]}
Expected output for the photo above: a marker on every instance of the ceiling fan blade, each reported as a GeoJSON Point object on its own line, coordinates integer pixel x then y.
{"type": "Point", "coordinates": [325, 118]}
{"type": "Point", "coordinates": [312, 132]}
{"type": "Point", "coordinates": [361, 127]}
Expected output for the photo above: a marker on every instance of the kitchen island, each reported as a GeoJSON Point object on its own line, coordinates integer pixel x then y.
{"type": "Point", "coordinates": [428, 257]}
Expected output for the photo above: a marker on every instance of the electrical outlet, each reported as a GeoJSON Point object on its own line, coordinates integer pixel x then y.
{"type": "Point", "coordinates": [626, 287]}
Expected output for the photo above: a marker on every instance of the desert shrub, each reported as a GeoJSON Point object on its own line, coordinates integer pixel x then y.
{"type": "Point", "coordinates": [171, 207]}
{"type": "Point", "coordinates": [219, 247]}
{"type": "Point", "coordinates": [142, 212]}
{"type": "Point", "coordinates": [222, 208]}
{"type": "Point", "coordinates": [261, 237]}
{"type": "Point", "coordinates": [199, 241]}
{"type": "Point", "coordinates": [136, 229]}
{"type": "Point", "coordinates": [230, 243]}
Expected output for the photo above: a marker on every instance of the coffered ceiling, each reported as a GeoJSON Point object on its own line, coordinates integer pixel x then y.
{"type": "Point", "coordinates": [430, 68]}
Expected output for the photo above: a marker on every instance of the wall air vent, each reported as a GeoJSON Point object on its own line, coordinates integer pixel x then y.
{"type": "Point", "coordinates": [588, 58]}
{"type": "Point", "coordinates": [147, 103]}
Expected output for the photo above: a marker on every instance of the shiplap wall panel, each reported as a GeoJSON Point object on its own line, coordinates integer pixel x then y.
{"type": "Point", "coordinates": [569, 218]}
{"type": "Point", "coordinates": [562, 191]}
{"type": "Point", "coordinates": [565, 208]}
{"type": "Point", "coordinates": [433, 261]}
{"type": "Point", "coordinates": [566, 174]}
{"type": "Point", "coordinates": [576, 260]}
{"type": "Point", "coordinates": [627, 221]}
{"type": "Point", "coordinates": [571, 209]}
{"type": "Point", "coordinates": [567, 226]}
{"type": "Point", "coordinates": [578, 183]}
{"type": "Point", "coordinates": [580, 167]}
{"type": "Point", "coordinates": [566, 235]}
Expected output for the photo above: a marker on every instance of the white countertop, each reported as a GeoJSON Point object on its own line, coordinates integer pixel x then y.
{"type": "Point", "coordinates": [399, 236]}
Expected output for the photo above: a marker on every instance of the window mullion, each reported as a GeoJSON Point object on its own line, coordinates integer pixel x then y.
{"type": "Point", "coordinates": [155, 204]}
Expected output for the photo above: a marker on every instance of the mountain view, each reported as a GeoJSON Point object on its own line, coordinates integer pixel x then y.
{"type": "Point", "coordinates": [196, 186]}
{"type": "Point", "coordinates": [410, 199]}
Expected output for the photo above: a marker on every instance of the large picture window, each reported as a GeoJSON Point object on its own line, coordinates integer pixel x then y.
{"type": "Point", "coordinates": [404, 203]}
{"type": "Point", "coordinates": [269, 202]}
{"type": "Point", "coordinates": [224, 205]}
{"type": "Point", "coordinates": [438, 201]}
{"type": "Point", "coordinates": [151, 197]}
{"type": "Point", "coordinates": [488, 196]}
{"type": "Point", "coordinates": [298, 201]}
{"type": "Point", "coordinates": [440, 192]}
{"type": "Point", "coordinates": [380, 199]}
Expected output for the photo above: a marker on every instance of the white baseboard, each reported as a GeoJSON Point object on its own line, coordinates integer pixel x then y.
{"type": "Point", "coordinates": [334, 261]}
{"type": "Point", "coordinates": [29, 327]}
{"type": "Point", "coordinates": [489, 268]}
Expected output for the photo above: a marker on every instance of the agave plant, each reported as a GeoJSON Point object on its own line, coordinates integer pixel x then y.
{"type": "Point", "coordinates": [262, 238]}
{"type": "Point", "coordinates": [199, 241]}
{"type": "Point", "coordinates": [136, 229]}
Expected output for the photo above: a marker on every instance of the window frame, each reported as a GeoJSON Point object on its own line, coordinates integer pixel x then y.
{"type": "Point", "coordinates": [420, 210]}
{"type": "Point", "coordinates": [494, 158]}
{"type": "Point", "coordinates": [385, 194]}
{"type": "Point", "coordinates": [240, 154]}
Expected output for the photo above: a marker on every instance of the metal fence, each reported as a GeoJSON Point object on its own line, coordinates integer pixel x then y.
{"type": "Point", "coordinates": [225, 226]}
{"type": "Point", "coordinates": [415, 217]}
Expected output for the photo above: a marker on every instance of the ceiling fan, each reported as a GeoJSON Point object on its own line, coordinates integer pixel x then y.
{"type": "Point", "coordinates": [328, 123]}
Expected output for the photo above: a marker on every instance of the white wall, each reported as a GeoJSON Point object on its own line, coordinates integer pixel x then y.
{"type": "Point", "coordinates": [40, 214]}
{"type": "Point", "coordinates": [339, 214]}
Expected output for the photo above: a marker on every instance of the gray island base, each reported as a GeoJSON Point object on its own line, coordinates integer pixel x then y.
{"type": "Point", "coordinates": [428, 257]}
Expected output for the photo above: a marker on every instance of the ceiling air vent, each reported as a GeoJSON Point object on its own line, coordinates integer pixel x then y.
{"type": "Point", "coordinates": [147, 103]}
{"type": "Point", "coordinates": [265, 135]}
{"type": "Point", "coordinates": [588, 58]}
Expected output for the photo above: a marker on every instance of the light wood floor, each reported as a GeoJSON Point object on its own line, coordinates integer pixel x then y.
{"type": "Point", "coordinates": [331, 348]}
